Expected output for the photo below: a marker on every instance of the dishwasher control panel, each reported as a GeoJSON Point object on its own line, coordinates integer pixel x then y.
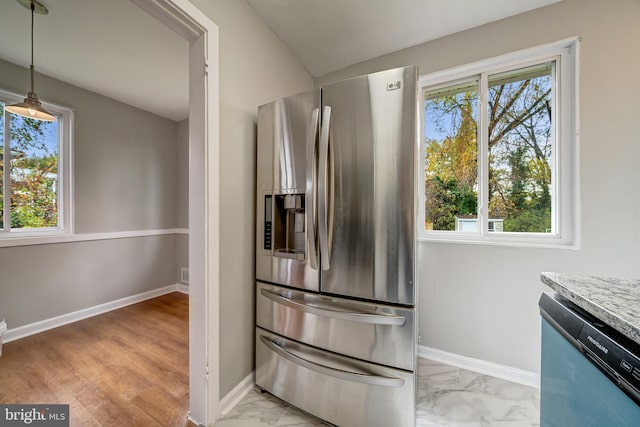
{"type": "Point", "coordinates": [614, 354]}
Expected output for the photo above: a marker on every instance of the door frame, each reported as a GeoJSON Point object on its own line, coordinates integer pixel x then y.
{"type": "Point", "coordinates": [204, 201]}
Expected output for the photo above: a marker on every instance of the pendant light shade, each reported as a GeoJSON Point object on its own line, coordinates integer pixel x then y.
{"type": "Point", "coordinates": [31, 107]}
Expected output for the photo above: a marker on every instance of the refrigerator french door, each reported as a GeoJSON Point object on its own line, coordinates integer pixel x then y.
{"type": "Point", "coordinates": [335, 250]}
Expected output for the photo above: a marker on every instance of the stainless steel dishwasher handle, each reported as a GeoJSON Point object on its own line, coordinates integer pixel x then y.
{"type": "Point", "coordinates": [332, 372]}
{"type": "Point", "coordinates": [377, 319]}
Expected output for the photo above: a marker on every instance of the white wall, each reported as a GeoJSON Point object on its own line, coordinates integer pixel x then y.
{"type": "Point", "coordinates": [255, 68]}
{"type": "Point", "coordinates": [488, 309]}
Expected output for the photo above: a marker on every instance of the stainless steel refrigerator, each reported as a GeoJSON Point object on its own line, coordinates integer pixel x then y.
{"type": "Point", "coordinates": [335, 250]}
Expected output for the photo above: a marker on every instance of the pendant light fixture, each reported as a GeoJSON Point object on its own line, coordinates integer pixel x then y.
{"type": "Point", "coordinates": [31, 107]}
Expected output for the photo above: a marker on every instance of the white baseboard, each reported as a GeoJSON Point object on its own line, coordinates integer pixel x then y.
{"type": "Point", "coordinates": [504, 372]}
{"type": "Point", "coordinates": [184, 289]}
{"type": "Point", "coordinates": [192, 422]}
{"type": "Point", "coordinates": [231, 399]}
{"type": "Point", "coordinates": [54, 322]}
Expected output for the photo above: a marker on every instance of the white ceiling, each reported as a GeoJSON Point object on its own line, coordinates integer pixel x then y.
{"type": "Point", "coordinates": [329, 35]}
{"type": "Point", "coordinates": [116, 49]}
{"type": "Point", "coordinates": [112, 47]}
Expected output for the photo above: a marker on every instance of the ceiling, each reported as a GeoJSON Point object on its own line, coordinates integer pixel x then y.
{"type": "Point", "coordinates": [116, 49]}
{"type": "Point", "coordinates": [112, 47]}
{"type": "Point", "coordinates": [329, 35]}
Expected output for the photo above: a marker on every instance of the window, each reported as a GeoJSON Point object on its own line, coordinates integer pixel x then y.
{"type": "Point", "coordinates": [499, 148]}
{"type": "Point", "coordinates": [35, 187]}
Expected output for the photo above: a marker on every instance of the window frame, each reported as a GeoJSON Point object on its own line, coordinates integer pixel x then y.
{"type": "Point", "coordinates": [565, 172]}
{"type": "Point", "coordinates": [65, 175]}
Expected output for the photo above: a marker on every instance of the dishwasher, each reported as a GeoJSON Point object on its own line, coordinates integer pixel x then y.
{"type": "Point", "coordinates": [590, 373]}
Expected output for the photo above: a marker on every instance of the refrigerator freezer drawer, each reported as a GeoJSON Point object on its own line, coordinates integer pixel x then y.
{"type": "Point", "coordinates": [338, 389]}
{"type": "Point", "coordinates": [375, 332]}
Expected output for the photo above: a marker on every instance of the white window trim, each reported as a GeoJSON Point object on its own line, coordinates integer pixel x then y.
{"type": "Point", "coordinates": [567, 182]}
{"type": "Point", "coordinates": [65, 176]}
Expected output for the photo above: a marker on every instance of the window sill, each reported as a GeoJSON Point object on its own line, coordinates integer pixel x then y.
{"type": "Point", "coordinates": [505, 241]}
{"type": "Point", "coordinates": [27, 236]}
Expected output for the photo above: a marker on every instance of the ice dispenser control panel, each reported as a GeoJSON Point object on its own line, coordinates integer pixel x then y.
{"type": "Point", "coordinates": [268, 207]}
{"type": "Point", "coordinates": [284, 225]}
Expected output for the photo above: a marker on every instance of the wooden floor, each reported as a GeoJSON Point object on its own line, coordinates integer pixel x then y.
{"type": "Point", "coordinates": [128, 367]}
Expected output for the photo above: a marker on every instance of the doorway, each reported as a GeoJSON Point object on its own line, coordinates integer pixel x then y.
{"type": "Point", "coordinates": [202, 34]}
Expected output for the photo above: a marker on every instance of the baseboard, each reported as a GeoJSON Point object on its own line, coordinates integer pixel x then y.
{"type": "Point", "coordinates": [184, 289]}
{"type": "Point", "coordinates": [54, 322]}
{"type": "Point", "coordinates": [193, 423]}
{"type": "Point", "coordinates": [231, 399]}
{"type": "Point", "coordinates": [508, 373]}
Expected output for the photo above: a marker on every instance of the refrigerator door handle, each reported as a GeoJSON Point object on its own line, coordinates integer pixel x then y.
{"type": "Point", "coordinates": [324, 203]}
{"type": "Point", "coordinates": [318, 310]}
{"type": "Point", "coordinates": [312, 185]}
{"type": "Point", "coordinates": [332, 372]}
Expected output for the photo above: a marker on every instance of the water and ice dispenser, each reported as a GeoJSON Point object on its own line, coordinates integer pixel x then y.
{"type": "Point", "coordinates": [284, 228]}
{"type": "Point", "coordinates": [281, 183]}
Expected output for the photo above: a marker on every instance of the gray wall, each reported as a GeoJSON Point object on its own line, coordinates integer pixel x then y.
{"type": "Point", "coordinates": [124, 161]}
{"type": "Point", "coordinates": [125, 177]}
{"type": "Point", "coordinates": [43, 281]}
{"type": "Point", "coordinates": [182, 197]}
{"type": "Point", "coordinates": [255, 68]}
{"type": "Point", "coordinates": [481, 301]}
{"type": "Point", "coordinates": [182, 175]}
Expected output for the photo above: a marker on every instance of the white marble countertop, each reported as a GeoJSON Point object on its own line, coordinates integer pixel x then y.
{"type": "Point", "coordinates": [616, 302]}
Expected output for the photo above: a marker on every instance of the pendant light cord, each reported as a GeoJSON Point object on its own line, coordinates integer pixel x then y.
{"type": "Point", "coordinates": [33, 8]}
{"type": "Point", "coordinates": [32, 107]}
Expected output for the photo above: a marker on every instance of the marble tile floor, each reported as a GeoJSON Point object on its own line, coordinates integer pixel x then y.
{"type": "Point", "coordinates": [446, 397]}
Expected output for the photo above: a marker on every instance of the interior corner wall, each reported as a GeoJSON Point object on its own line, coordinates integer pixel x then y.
{"type": "Point", "coordinates": [124, 175]}
{"type": "Point", "coordinates": [255, 68]}
{"type": "Point", "coordinates": [182, 199]}
{"type": "Point", "coordinates": [481, 301]}
{"type": "Point", "coordinates": [182, 175]}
